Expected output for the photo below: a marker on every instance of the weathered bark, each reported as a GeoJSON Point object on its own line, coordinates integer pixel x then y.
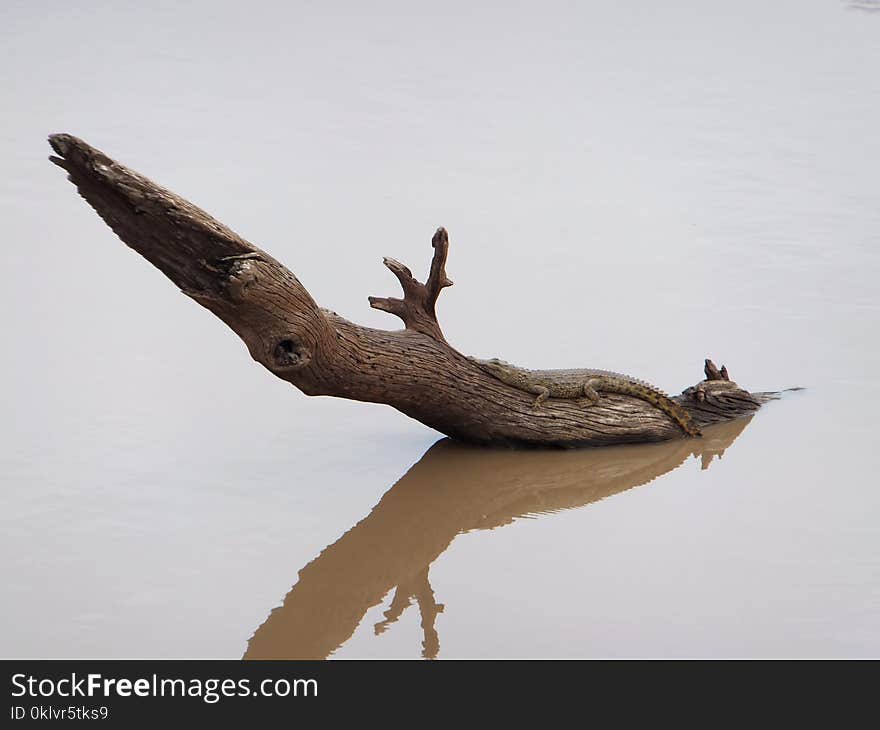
{"type": "Point", "coordinates": [414, 370]}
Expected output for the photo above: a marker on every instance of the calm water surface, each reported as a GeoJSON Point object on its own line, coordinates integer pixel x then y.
{"type": "Point", "coordinates": [633, 187]}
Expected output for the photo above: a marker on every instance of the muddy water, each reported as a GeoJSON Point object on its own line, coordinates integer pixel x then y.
{"type": "Point", "coordinates": [628, 187]}
{"type": "Point", "coordinates": [452, 490]}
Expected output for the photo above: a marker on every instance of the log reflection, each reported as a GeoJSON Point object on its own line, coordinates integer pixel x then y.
{"type": "Point", "coordinates": [452, 489]}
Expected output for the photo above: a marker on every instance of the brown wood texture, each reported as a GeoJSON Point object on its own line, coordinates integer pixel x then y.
{"type": "Point", "coordinates": [413, 370]}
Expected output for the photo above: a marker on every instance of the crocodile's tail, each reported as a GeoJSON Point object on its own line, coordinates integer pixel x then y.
{"type": "Point", "coordinates": [679, 415]}
{"type": "Point", "coordinates": [653, 396]}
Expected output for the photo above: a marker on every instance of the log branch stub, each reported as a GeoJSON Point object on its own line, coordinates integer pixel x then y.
{"type": "Point", "coordinates": [417, 309]}
{"type": "Point", "coordinates": [413, 370]}
{"type": "Point", "coordinates": [713, 373]}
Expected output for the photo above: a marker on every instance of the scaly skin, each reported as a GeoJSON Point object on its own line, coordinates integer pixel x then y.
{"type": "Point", "coordinates": [584, 383]}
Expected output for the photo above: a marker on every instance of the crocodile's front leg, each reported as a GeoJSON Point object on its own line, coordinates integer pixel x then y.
{"type": "Point", "coordinates": [542, 393]}
{"type": "Point", "coordinates": [590, 391]}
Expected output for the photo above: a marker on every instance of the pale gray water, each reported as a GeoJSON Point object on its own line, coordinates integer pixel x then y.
{"type": "Point", "coordinates": [630, 186]}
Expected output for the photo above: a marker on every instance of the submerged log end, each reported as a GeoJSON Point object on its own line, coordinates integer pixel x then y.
{"type": "Point", "coordinates": [718, 398]}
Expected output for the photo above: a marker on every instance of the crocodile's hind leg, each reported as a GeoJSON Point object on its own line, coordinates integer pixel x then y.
{"type": "Point", "coordinates": [590, 391]}
{"type": "Point", "coordinates": [542, 393]}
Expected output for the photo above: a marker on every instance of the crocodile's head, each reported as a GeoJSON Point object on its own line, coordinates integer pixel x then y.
{"type": "Point", "coordinates": [496, 365]}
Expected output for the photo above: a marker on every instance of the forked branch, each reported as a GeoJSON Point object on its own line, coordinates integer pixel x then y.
{"type": "Point", "coordinates": [417, 309]}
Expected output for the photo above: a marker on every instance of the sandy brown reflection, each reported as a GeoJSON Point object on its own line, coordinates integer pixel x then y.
{"type": "Point", "coordinates": [452, 489]}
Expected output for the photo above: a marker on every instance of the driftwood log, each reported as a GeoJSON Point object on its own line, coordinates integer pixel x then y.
{"type": "Point", "coordinates": [414, 370]}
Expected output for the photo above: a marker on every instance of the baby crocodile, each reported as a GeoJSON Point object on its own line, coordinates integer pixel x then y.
{"type": "Point", "coordinates": [584, 383]}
